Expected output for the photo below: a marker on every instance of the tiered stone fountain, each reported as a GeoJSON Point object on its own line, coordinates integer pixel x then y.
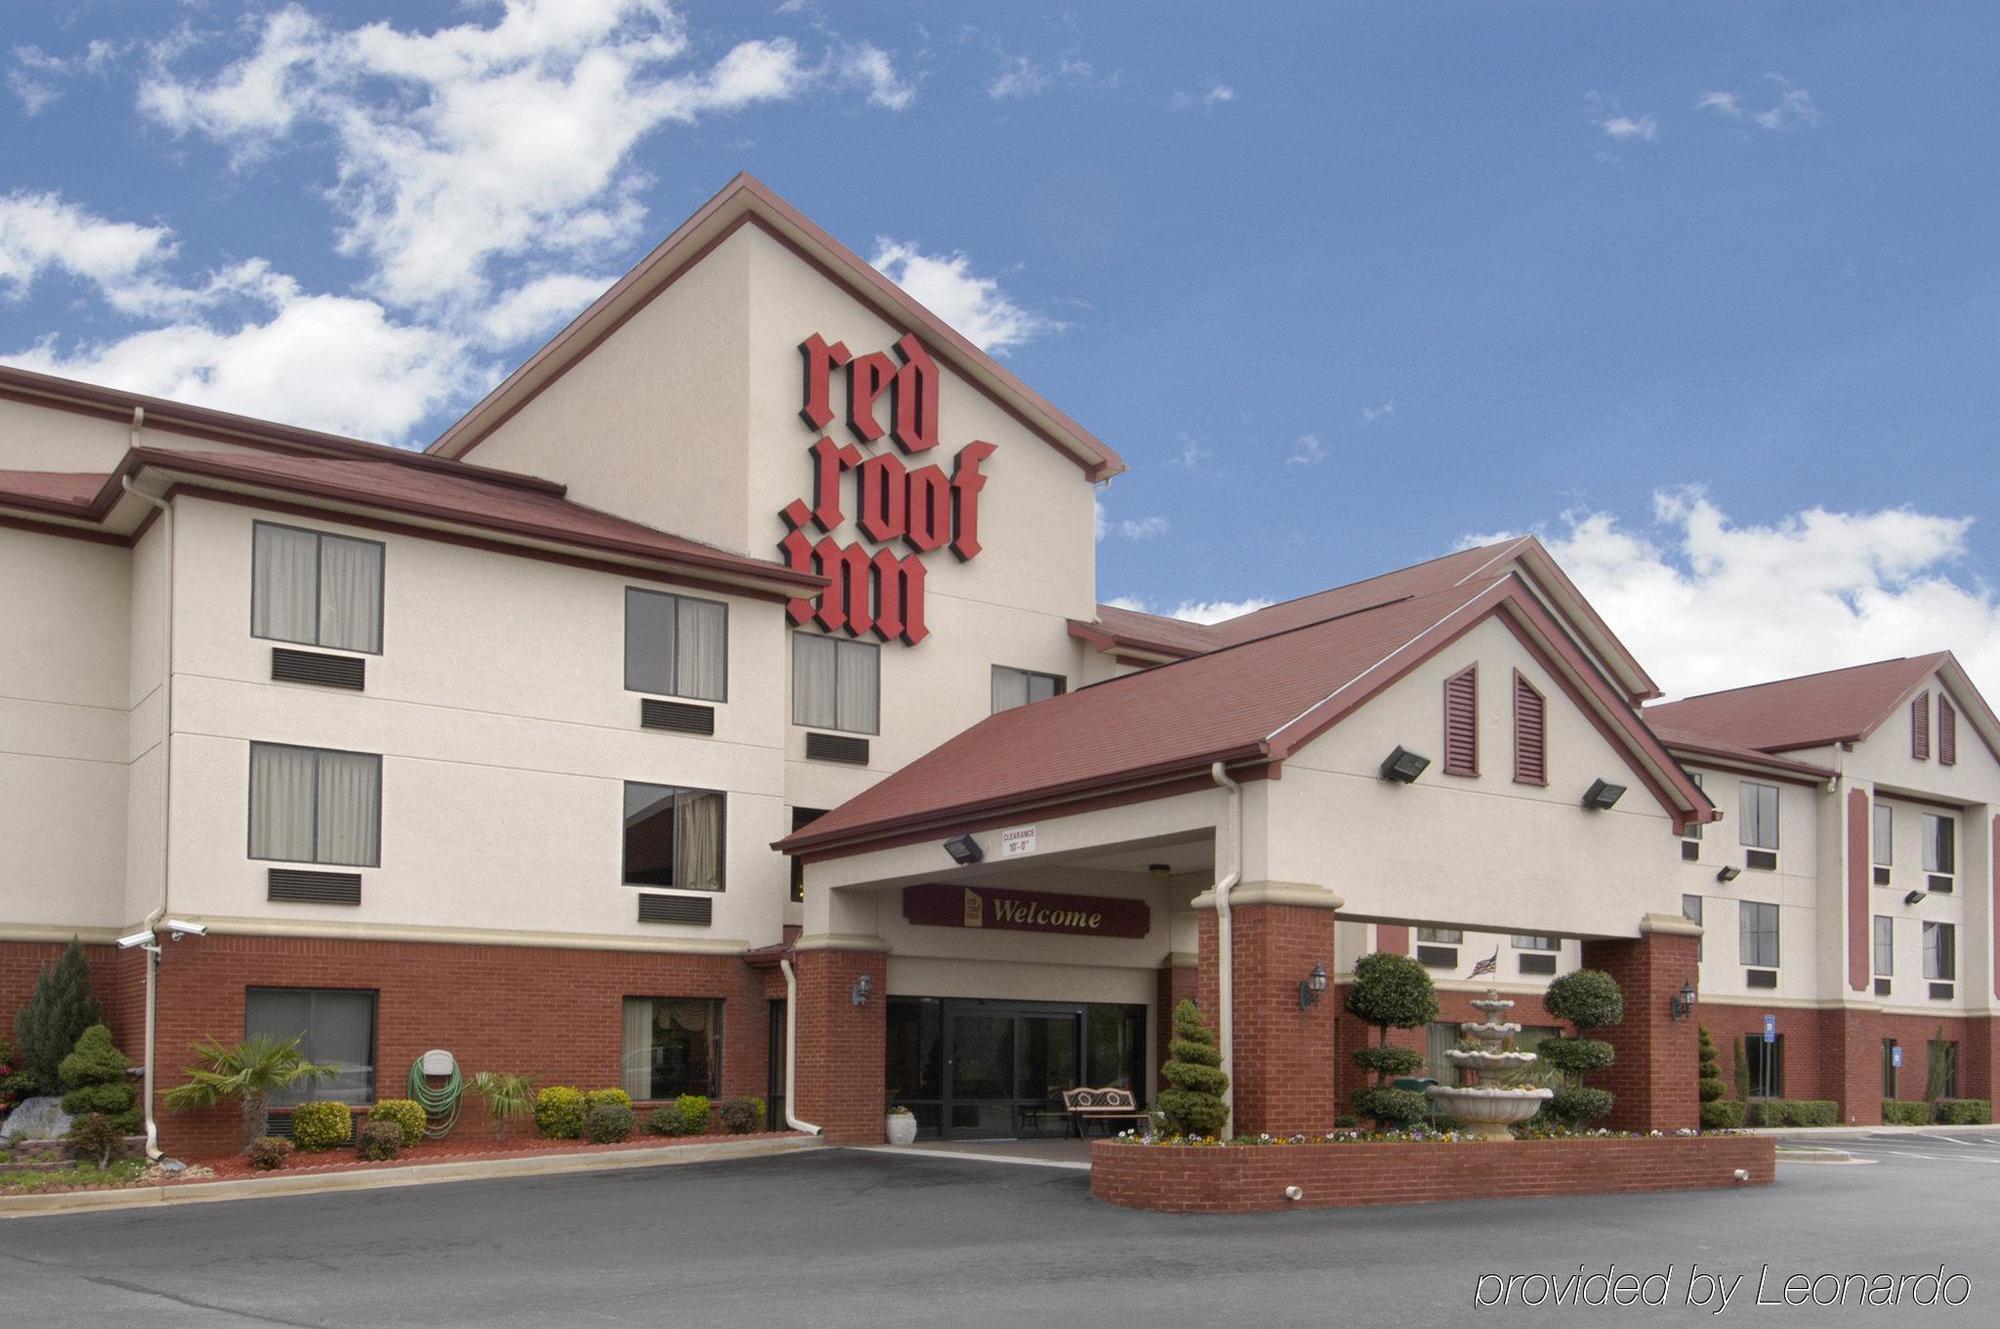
{"type": "Point", "coordinates": [1487, 1111]}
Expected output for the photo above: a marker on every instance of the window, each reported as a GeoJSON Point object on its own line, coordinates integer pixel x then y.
{"type": "Point", "coordinates": [1940, 952]}
{"type": "Point", "coordinates": [1442, 936]}
{"type": "Point", "coordinates": [672, 1046]}
{"type": "Point", "coordinates": [1535, 943]}
{"type": "Point", "coordinates": [317, 590]}
{"type": "Point", "coordinates": [1758, 934]}
{"type": "Point", "coordinates": [338, 1029]}
{"type": "Point", "coordinates": [1440, 1037]}
{"type": "Point", "coordinates": [836, 684]}
{"type": "Point", "coordinates": [309, 805]}
{"type": "Point", "coordinates": [676, 646]}
{"type": "Point", "coordinates": [1885, 835]}
{"type": "Point", "coordinates": [1691, 910]}
{"type": "Point", "coordinates": [802, 818]}
{"type": "Point", "coordinates": [673, 837]}
{"type": "Point", "coordinates": [1693, 831]}
{"type": "Point", "coordinates": [1940, 844]}
{"type": "Point", "coordinates": [1018, 687]}
{"type": "Point", "coordinates": [1767, 1066]}
{"type": "Point", "coordinates": [1531, 734]}
{"type": "Point", "coordinates": [1760, 815]}
{"type": "Point", "coordinates": [1885, 946]}
{"type": "Point", "coordinates": [1461, 723]}
{"type": "Point", "coordinates": [1942, 1072]}
{"type": "Point", "coordinates": [1889, 1068]}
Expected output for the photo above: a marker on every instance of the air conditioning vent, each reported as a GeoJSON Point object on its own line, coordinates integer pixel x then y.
{"type": "Point", "coordinates": [298, 886]}
{"type": "Point", "coordinates": [1538, 964]}
{"type": "Point", "coordinates": [1942, 885]}
{"type": "Point", "coordinates": [1883, 987]}
{"type": "Point", "coordinates": [1941, 991]}
{"type": "Point", "coordinates": [1763, 859]}
{"type": "Point", "coordinates": [695, 909]}
{"type": "Point", "coordinates": [1690, 851]}
{"type": "Point", "coordinates": [837, 747]}
{"type": "Point", "coordinates": [677, 716]}
{"type": "Point", "coordinates": [328, 671]}
{"type": "Point", "coordinates": [1438, 957]}
{"type": "Point", "coordinates": [1882, 876]}
{"type": "Point", "coordinates": [1760, 978]}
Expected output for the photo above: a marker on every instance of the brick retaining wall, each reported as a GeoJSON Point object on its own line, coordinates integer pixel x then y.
{"type": "Point", "coordinates": [1253, 1178]}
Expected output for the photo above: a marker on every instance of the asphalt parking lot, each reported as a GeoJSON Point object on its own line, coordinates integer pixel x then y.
{"type": "Point", "coordinates": [838, 1238]}
{"type": "Point", "coordinates": [1898, 1148]}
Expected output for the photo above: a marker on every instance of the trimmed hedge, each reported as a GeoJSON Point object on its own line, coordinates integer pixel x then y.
{"type": "Point", "coordinates": [322, 1125]}
{"type": "Point", "coordinates": [407, 1113]}
{"type": "Point", "coordinates": [1575, 1105]}
{"type": "Point", "coordinates": [1964, 1112]}
{"type": "Point", "coordinates": [1722, 1114]}
{"type": "Point", "coordinates": [742, 1115]}
{"type": "Point", "coordinates": [694, 1113]}
{"type": "Point", "coordinates": [1792, 1112]}
{"type": "Point", "coordinates": [559, 1112]}
{"type": "Point", "coordinates": [380, 1141]}
{"type": "Point", "coordinates": [608, 1123]}
{"type": "Point", "coordinates": [1896, 1112]}
{"type": "Point", "coordinates": [599, 1097]}
{"type": "Point", "coordinates": [268, 1153]}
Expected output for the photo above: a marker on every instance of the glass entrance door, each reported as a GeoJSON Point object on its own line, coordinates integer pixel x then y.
{"type": "Point", "coordinates": [1005, 1071]}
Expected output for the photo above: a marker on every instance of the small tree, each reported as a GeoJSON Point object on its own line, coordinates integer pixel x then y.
{"type": "Point", "coordinates": [94, 1076]}
{"type": "Point", "coordinates": [1391, 992]}
{"type": "Point", "coordinates": [46, 1029]}
{"type": "Point", "coordinates": [1192, 1104]}
{"type": "Point", "coordinates": [1588, 999]}
{"type": "Point", "coordinates": [507, 1096]}
{"type": "Point", "coordinates": [251, 1072]}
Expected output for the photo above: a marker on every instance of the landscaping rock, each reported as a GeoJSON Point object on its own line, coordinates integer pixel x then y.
{"type": "Point", "coordinates": [35, 1119]}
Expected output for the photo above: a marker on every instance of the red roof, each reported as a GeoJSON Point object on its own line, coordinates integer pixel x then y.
{"type": "Point", "coordinates": [50, 489]}
{"type": "Point", "coordinates": [1814, 710]}
{"type": "Point", "coordinates": [1705, 745]}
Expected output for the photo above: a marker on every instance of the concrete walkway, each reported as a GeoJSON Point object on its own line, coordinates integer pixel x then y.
{"type": "Point", "coordinates": [1070, 1154]}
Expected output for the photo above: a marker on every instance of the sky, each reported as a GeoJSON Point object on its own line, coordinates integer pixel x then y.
{"type": "Point", "coordinates": [1705, 295]}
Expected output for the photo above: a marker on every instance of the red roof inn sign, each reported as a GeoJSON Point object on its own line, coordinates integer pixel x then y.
{"type": "Point", "coordinates": [879, 590]}
{"type": "Point", "coordinates": [938, 905]}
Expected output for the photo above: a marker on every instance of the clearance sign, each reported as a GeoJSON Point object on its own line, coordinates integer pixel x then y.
{"type": "Point", "coordinates": [902, 511]}
{"type": "Point", "coordinates": [938, 905]}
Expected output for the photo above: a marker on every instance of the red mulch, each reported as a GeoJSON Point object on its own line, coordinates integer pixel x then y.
{"type": "Point", "coordinates": [459, 1147]}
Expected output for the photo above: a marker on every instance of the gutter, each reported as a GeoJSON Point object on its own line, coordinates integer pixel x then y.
{"type": "Point", "coordinates": [1231, 833]}
{"type": "Point", "coordinates": [792, 1049]}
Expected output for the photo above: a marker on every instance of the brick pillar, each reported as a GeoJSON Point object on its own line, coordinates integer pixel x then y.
{"type": "Point", "coordinates": [841, 1046]}
{"type": "Point", "coordinates": [1654, 1077]}
{"type": "Point", "coordinates": [1176, 984]}
{"type": "Point", "coordinates": [1979, 1059]}
{"type": "Point", "coordinates": [1283, 1055]}
{"type": "Point", "coordinates": [1850, 1050]}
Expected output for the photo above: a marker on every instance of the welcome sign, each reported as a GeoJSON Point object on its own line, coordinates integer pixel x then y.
{"type": "Point", "coordinates": [937, 905]}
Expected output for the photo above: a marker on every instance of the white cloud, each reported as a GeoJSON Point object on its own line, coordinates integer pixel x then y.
{"type": "Point", "coordinates": [1725, 102]}
{"type": "Point", "coordinates": [539, 307]}
{"type": "Point", "coordinates": [1144, 528]}
{"type": "Point", "coordinates": [1131, 602]}
{"type": "Point", "coordinates": [1194, 611]}
{"type": "Point", "coordinates": [974, 305]}
{"type": "Point", "coordinates": [1705, 603]}
{"type": "Point", "coordinates": [37, 77]}
{"type": "Point", "coordinates": [1214, 95]}
{"type": "Point", "coordinates": [1308, 451]}
{"type": "Point", "coordinates": [1370, 414]}
{"type": "Point", "coordinates": [41, 233]}
{"type": "Point", "coordinates": [870, 67]}
{"type": "Point", "coordinates": [1192, 452]}
{"type": "Point", "coordinates": [1019, 77]}
{"type": "Point", "coordinates": [1625, 126]}
{"type": "Point", "coordinates": [1793, 109]}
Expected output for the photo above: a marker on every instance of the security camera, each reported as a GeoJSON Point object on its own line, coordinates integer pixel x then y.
{"type": "Point", "coordinates": [181, 929]}
{"type": "Point", "coordinates": [136, 939]}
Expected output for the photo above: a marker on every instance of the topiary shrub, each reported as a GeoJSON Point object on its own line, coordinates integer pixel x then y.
{"type": "Point", "coordinates": [1391, 992]}
{"type": "Point", "coordinates": [694, 1113]}
{"type": "Point", "coordinates": [1964, 1112]}
{"type": "Point", "coordinates": [47, 1028]}
{"type": "Point", "coordinates": [740, 1116]}
{"type": "Point", "coordinates": [268, 1153]}
{"type": "Point", "coordinates": [322, 1125]}
{"type": "Point", "coordinates": [616, 1097]}
{"type": "Point", "coordinates": [1588, 999]}
{"type": "Point", "coordinates": [1708, 1070]}
{"type": "Point", "coordinates": [608, 1123]}
{"type": "Point", "coordinates": [93, 1139]}
{"type": "Point", "coordinates": [1389, 1061]}
{"type": "Point", "coordinates": [1192, 1103]}
{"type": "Point", "coordinates": [1390, 1107]}
{"type": "Point", "coordinates": [95, 1076]}
{"type": "Point", "coordinates": [1896, 1112]}
{"type": "Point", "coordinates": [1575, 1057]}
{"type": "Point", "coordinates": [379, 1141]}
{"type": "Point", "coordinates": [1722, 1114]}
{"type": "Point", "coordinates": [1575, 1106]}
{"type": "Point", "coordinates": [559, 1111]}
{"type": "Point", "coordinates": [408, 1115]}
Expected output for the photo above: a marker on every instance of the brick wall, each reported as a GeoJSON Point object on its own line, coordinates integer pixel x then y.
{"type": "Point", "coordinates": [1176, 984]}
{"type": "Point", "coordinates": [117, 977]}
{"type": "Point", "coordinates": [1653, 1080]}
{"type": "Point", "coordinates": [1251, 1179]}
{"type": "Point", "coordinates": [1836, 1053]}
{"type": "Point", "coordinates": [1283, 1056]}
{"type": "Point", "coordinates": [842, 1047]}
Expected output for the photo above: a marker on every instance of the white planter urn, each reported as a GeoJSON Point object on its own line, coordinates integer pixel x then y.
{"type": "Point", "coordinates": [902, 1128]}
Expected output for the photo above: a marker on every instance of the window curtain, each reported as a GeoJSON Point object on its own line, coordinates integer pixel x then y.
{"type": "Point", "coordinates": [701, 655]}
{"type": "Point", "coordinates": [649, 641]}
{"type": "Point", "coordinates": [281, 803]}
{"type": "Point", "coordinates": [859, 684]}
{"type": "Point", "coordinates": [338, 1029]}
{"type": "Point", "coordinates": [698, 837]}
{"type": "Point", "coordinates": [350, 600]}
{"type": "Point", "coordinates": [350, 802]}
{"type": "Point", "coordinates": [813, 673]}
{"type": "Point", "coordinates": [638, 1044]}
{"type": "Point", "coordinates": [284, 597]}
{"type": "Point", "coordinates": [1010, 689]}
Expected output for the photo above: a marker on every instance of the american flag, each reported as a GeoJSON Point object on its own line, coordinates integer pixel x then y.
{"type": "Point", "coordinates": [1490, 965]}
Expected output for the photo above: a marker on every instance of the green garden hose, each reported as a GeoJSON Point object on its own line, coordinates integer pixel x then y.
{"type": "Point", "coordinates": [440, 1105]}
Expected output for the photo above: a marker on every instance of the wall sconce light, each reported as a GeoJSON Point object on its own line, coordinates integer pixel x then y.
{"type": "Point", "coordinates": [862, 987]}
{"type": "Point", "coordinates": [963, 850]}
{"type": "Point", "coordinates": [1602, 794]}
{"type": "Point", "coordinates": [1312, 987]}
{"type": "Point", "coordinates": [1159, 871]}
{"type": "Point", "coordinates": [1403, 766]}
{"type": "Point", "coordinates": [1914, 897]}
{"type": "Point", "coordinates": [1681, 1005]}
{"type": "Point", "coordinates": [1726, 875]}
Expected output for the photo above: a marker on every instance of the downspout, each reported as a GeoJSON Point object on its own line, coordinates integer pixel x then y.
{"type": "Point", "coordinates": [1225, 951]}
{"type": "Point", "coordinates": [792, 1049]}
{"type": "Point", "coordinates": [166, 787]}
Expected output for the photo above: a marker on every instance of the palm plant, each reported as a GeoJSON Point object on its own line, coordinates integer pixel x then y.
{"type": "Point", "coordinates": [507, 1096]}
{"type": "Point", "coordinates": [252, 1071]}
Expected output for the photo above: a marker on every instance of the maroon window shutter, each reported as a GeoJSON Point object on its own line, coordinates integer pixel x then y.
{"type": "Point", "coordinates": [1531, 733]}
{"type": "Point", "coordinates": [1461, 723]}
{"type": "Point", "coordinates": [1947, 732]}
{"type": "Point", "coordinates": [1920, 727]}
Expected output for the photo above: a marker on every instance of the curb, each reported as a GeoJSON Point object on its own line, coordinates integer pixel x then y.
{"type": "Point", "coordinates": [420, 1174]}
{"type": "Point", "coordinates": [1856, 1132]}
{"type": "Point", "coordinates": [967, 1156]}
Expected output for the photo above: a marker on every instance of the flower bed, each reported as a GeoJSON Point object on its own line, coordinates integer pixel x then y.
{"type": "Point", "coordinates": [1354, 1170]}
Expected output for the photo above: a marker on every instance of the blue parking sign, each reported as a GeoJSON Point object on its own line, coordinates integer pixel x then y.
{"type": "Point", "coordinates": [1770, 1029]}
{"type": "Point", "coordinates": [1896, 1056]}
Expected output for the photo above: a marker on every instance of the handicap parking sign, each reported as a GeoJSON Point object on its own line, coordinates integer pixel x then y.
{"type": "Point", "coordinates": [1896, 1056]}
{"type": "Point", "coordinates": [1770, 1029]}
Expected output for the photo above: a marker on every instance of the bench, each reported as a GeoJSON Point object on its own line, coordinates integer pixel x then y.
{"type": "Point", "coordinates": [1107, 1105]}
